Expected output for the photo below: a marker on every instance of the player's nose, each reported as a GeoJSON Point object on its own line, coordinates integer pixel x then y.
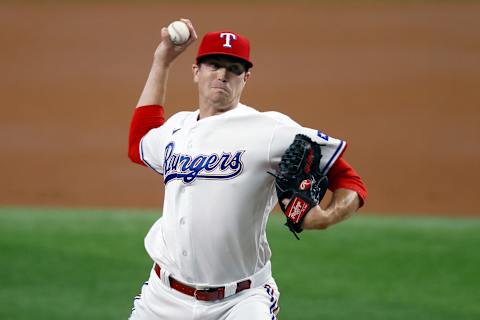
{"type": "Point", "coordinates": [222, 74]}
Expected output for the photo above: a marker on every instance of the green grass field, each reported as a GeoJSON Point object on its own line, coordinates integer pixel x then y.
{"type": "Point", "coordinates": [79, 264]}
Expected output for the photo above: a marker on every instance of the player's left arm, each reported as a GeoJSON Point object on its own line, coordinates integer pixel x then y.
{"type": "Point", "coordinates": [349, 194]}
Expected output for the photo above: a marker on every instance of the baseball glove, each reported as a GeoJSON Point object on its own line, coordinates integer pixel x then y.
{"type": "Point", "coordinates": [300, 181]}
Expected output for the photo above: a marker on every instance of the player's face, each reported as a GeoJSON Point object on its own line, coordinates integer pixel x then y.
{"type": "Point", "coordinates": [220, 81]}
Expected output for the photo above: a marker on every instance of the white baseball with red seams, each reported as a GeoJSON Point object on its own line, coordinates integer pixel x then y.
{"type": "Point", "coordinates": [178, 31]}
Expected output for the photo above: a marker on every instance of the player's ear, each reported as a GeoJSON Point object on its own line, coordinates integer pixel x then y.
{"type": "Point", "coordinates": [246, 76]}
{"type": "Point", "coordinates": [195, 69]}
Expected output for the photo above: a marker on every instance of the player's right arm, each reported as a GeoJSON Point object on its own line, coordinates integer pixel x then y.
{"type": "Point", "coordinates": [155, 88]}
{"type": "Point", "coordinates": [149, 112]}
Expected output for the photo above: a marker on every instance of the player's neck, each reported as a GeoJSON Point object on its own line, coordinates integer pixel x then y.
{"type": "Point", "coordinates": [208, 109]}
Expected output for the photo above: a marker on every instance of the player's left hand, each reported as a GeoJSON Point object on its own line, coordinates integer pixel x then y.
{"type": "Point", "coordinates": [316, 218]}
{"type": "Point", "coordinates": [344, 203]}
{"type": "Point", "coordinates": [300, 182]}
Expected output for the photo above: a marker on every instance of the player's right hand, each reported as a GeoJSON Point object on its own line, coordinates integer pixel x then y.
{"type": "Point", "coordinates": [167, 51]}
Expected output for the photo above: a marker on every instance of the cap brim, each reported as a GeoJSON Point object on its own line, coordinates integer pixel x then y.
{"type": "Point", "coordinates": [249, 64]}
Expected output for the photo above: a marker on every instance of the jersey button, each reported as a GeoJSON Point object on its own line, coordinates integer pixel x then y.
{"type": "Point", "coordinates": [184, 252]}
{"type": "Point", "coordinates": [182, 220]}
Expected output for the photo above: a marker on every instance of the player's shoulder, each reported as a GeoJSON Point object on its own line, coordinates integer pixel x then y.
{"type": "Point", "coordinates": [180, 116]}
{"type": "Point", "coordinates": [175, 121]}
{"type": "Point", "coordinates": [274, 117]}
{"type": "Point", "coordinates": [280, 118]}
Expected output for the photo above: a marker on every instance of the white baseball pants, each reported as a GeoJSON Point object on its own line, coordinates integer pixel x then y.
{"type": "Point", "coordinates": [159, 302]}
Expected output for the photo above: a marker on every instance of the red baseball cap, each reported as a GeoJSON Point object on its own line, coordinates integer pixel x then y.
{"type": "Point", "coordinates": [226, 43]}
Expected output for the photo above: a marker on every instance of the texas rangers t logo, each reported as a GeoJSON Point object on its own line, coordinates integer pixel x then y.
{"type": "Point", "coordinates": [187, 168]}
{"type": "Point", "coordinates": [228, 36]}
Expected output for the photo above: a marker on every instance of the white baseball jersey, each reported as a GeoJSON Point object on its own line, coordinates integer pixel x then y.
{"type": "Point", "coordinates": [218, 195]}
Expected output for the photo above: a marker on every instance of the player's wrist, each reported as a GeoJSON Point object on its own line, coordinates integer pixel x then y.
{"type": "Point", "coordinates": [317, 218]}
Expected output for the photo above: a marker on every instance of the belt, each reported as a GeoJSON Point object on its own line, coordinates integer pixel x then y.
{"type": "Point", "coordinates": [210, 294]}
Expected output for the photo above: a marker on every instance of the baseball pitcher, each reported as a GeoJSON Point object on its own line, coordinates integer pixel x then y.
{"type": "Point", "coordinates": [225, 165]}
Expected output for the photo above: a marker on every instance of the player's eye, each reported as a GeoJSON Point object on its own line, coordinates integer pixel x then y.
{"type": "Point", "coordinates": [237, 69]}
{"type": "Point", "coordinates": [214, 65]}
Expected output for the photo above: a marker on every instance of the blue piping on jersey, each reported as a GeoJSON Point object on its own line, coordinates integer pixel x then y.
{"type": "Point", "coordinates": [340, 147]}
{"type": "Point", "coordinates": [145, 161]}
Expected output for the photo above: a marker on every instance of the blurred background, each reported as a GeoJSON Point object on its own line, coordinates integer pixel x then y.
{"type": "Point", "coordinates": [397, 79]}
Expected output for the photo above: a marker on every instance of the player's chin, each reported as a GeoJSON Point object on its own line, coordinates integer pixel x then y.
{"type": "Point", "coordinates": [221, 96]}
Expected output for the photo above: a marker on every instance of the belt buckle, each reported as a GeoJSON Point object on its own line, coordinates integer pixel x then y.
{"type": "Point", "coordinates": [195, 293]}
{"type": "Point", "coordinates": [219, 294]}
{"type": "Point", "coordinates": [199, 290]}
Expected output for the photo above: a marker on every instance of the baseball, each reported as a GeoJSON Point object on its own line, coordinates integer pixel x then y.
{"type": "Point", "coordinates": [178, 31]}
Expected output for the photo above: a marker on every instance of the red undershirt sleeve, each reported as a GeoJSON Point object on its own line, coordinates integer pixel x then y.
{"type": "Point", "coordinates": [144, 119]}
{"type": "Point", "coordinates": [343, 176]}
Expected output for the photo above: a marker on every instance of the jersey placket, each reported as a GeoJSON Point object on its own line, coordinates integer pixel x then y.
{"type": "Point", "coordinates": [185, 210]}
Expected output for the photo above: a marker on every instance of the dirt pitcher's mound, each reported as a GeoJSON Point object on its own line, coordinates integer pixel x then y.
{"type": "Point", "coordinates": [399, 82]}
